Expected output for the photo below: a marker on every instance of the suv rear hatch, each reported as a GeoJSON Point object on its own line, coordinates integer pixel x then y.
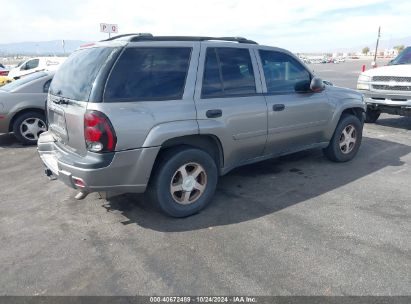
{"type": "Point", "coordinates": [79, 80]}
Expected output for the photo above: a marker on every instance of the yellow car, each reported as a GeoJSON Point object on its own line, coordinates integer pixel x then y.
{"type": "Point", "coordinates": [4, 80]}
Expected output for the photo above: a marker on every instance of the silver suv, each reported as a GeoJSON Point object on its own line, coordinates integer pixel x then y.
{"type": "Point", "coordinates": [171, 114]}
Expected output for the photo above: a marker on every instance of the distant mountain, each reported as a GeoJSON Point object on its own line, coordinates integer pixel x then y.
{"type": "Point", "coordinates": [53, 47]}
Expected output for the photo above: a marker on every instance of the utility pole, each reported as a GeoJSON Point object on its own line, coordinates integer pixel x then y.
{"type": "Point", "coordinates": [376, 46]}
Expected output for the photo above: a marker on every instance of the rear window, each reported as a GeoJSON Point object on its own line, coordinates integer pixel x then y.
{"type": "Point", "coordinates": [149, 73]}
{"type": "Point", "coordinates": [75, 77]}
{"type": "Point", "coordinates": [12, 86]}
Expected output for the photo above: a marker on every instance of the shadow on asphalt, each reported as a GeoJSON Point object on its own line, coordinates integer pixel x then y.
{"type": "Point", "coordinates": [8, 140]}
{"type": "Point", "coordinates": [281, 183]}
{"type": "Point", "coordinates": [399, 122]}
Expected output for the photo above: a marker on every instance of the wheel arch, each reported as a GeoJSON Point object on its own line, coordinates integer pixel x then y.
{"type": "Point", "coordinates": [351, 109]}
{"type": "Point", "coordinates": [24, 111]}
{"type": "Point", "coordinates": [206, 142]}
{"type": "Point", "coordinates": [356, 111]}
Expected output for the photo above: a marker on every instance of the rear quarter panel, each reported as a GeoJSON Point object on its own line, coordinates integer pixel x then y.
{"type": "Point", "coordinates": [28, 96]}
{"type": "Point", "coordinates": [12, 104]}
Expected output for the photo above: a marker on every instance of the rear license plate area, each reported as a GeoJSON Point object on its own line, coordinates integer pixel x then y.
{"type": "Point", "coordinates": [58, 125]}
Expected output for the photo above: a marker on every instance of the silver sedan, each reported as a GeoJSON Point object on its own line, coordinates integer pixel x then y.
{"type": "Point", "coordinates": [22, 106]}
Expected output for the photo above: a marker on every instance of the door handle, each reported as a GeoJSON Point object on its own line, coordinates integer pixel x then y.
{"type": "Point", "coordinates": [278, 107]}
{"type": "Point", "coordinates": [214, 113]}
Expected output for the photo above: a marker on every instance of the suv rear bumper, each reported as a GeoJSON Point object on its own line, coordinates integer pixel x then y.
{"type": "Point", "coordinates": [123, 171]}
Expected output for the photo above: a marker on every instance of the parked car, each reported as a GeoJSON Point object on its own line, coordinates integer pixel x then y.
{"type": "Point", "coordinates": [171, 114]}
{"type": "Point", "coordinates": [3, 70]}
{"type": "Point", "coordinates": [387, 89]}
{"type": "Point", "coordinates": [34, 65]}
{"type": "Point", "coordinates": [22, 106]}
{"type": "Point", "coordinates": [4, 80]}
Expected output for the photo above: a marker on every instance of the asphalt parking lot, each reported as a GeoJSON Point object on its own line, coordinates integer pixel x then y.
{"type": "Point", "coordinates": [297, 225]}
{"type": "Point", "coordinates": [343, 74]}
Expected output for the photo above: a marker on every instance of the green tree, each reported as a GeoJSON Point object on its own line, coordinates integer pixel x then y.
{"type": "Point", "coordinates": [366, 50]}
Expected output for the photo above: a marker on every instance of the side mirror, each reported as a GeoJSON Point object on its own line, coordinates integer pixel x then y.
{"type": "Point", "coordinates": [317, 85]}
{"type": "Point", "coordinates": [302, 86]}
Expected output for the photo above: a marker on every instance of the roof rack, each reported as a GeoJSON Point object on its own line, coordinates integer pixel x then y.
{"type": "Point", "coordinates": [130, 36]}
{"type": "Point", "coordinates": [150, 37]}
{"type": "Point", "coordinates": [190, 38]}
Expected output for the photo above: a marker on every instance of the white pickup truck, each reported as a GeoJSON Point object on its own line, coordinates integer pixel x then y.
{"type": "Point", "coordinates": [388, 89]}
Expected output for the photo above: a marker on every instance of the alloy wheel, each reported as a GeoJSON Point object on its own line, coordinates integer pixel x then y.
{"type": "Point", "coordinates": [188, 183]}
{"type": "Point", "coordinates": [31, 128]}
{"type": "Point", "coordinates": [348, 139]}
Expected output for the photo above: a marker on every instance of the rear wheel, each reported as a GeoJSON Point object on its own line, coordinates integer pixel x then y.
{"type": "Point", "coordinates": [346, 140]}
{"type": "Point", "coordinates": [28, 126]}
{"type": "Point", "coordinates": [371, 116]}
{"type": "Point", "coordinates": [184, 181]}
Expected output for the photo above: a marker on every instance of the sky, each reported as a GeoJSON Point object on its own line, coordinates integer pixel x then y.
{"type": "Point", "coordinates": [300, 25]}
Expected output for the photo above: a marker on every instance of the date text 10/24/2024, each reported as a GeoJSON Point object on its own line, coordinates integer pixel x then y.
{"type": "Point", "coordinates": [203, 299]}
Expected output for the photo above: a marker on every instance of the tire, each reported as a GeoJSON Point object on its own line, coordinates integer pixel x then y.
{"type": "Point", "coordinates": [178, 196]}
{"type": "Point", "coordinates": [371, 116]}
{"type": "Point", "coordinates": [346, 140]}
{"type": "Point", "coordinates": [28, 126]}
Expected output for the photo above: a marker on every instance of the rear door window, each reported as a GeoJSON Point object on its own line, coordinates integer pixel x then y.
{"type": "Point", "coordinates": [149, 73]}
{"type": "Point", "coordinates": [212, 82]}
{"type": "Point", "coordinates": [228, 72]}
{"type": "Point", "coordinates": [75, 77]}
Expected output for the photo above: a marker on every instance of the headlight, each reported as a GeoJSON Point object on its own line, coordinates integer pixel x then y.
{"type": "Point", "coordinates": [363, 86]}
{"type": "Point", "coordinates": [364, 78]}
{"type": "Point", "coordinates": [363, 82]}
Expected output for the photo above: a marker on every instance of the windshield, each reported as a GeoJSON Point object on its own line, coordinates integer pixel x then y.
{"type": "Point", "coordinates": [75, 77]}
{"type": "Point", "coordinates": [12, 86]}
{"type": "Point", "coordinates": [403, 58]}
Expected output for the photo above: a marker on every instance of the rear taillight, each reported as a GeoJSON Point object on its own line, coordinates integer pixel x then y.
{"type": "Point", "coordinates": [4, 73]}
{"type": "Point", "coordinates": [98, 132]}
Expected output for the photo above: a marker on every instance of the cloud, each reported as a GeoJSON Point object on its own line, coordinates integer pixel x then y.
{"type": "Point", "coordinates": [298, 25]}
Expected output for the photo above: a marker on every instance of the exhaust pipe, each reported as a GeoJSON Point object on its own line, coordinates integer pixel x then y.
{"type": "Point", "coordinates": [81, 195]}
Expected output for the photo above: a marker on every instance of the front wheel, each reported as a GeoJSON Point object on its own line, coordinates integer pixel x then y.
{"type": "Point", "coordinates": [346, 140]}
{"type": "Point", "coordinates": [184, 181]}
{"type": "Point", "coordinates": [371, 116]}
{"type": "Point", "coordinates": [28, 126]}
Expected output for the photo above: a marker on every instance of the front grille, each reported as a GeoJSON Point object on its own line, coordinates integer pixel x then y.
{"type": "Point", "coordinates": [391, 88]}
{"type": "Point", "coordinates": [391, 78]}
